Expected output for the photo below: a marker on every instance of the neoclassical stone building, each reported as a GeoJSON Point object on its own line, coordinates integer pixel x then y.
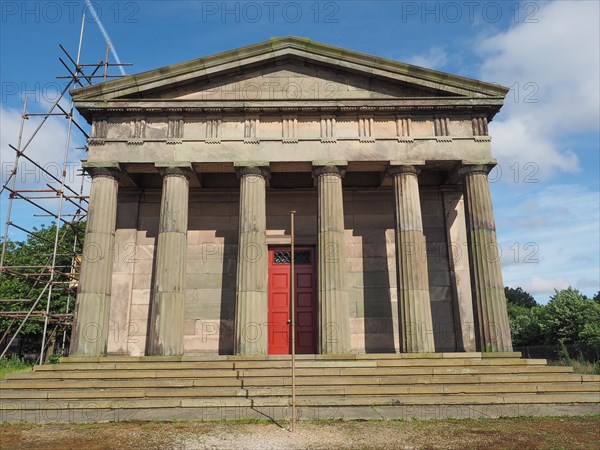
{"type": "Point", "coordinates": [195, 168]}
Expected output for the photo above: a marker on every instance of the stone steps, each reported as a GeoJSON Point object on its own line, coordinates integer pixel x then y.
{"type": "Point", "coordinates": [332, 357]}
{"type": "Point", "coordinates": [122, 388]}
{"type": "Point", "coordinates": [301, 391]}
{"type": "Point", "coordinates": [94, 383]}
{"type": "Point", "coordinates": [314, 400]}
{"type": "Point", "coordinates": [236, 365]}
{"type": "Point", "coordinates": [84, 371]}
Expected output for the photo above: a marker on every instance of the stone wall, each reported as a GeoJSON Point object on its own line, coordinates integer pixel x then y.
{"type": "Point", "coordinates": [211, 266]}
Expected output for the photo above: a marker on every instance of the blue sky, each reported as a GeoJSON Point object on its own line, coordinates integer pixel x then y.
{"type": "Point", "coordinates": [546, 139]}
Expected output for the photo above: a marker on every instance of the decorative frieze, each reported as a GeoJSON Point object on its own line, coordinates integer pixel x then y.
{"type": "Point", "coordinates": [365, 129]}
{"type": "Point", "coordinates": [441, 129]}
{"type": "Point", "coordinates": [289, 129]}
{"type": "Point", "coordinates": [137, 131]}
{"type": "Point", "coordinates": [403, 129]}
{"type": "Point", "coordinates": [328, 129]}
{"type": "Point", "coordinates": [251, 135]}
{"type": "Point", "coordinates": [175, 130]}
{"type": "Point", "coordinates": [480, 128]}
{"type": "Point", "coordinates": [213, 130]}
{"type": "Point", "coordinates": [99, 131]}
{"type": "Point", "coordinates": [440, 125]}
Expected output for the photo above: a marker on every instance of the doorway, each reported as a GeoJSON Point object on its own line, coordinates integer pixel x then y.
{"type": "Point", "coordinates": [279, 300]}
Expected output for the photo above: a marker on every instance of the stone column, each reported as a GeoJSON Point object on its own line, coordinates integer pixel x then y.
{"type": "Point", "coordinates": [334, 314]}
{"type": "Point", "coordinates": [486, 272]}
{"type": "Point", "coordinates": [251, 309]}
{"type": "Point", "coordinates": [168, 303]}
{"type": "Point", "coordinates": [90, 330]}
{"type": "Point", "coordinates": [414, 308]}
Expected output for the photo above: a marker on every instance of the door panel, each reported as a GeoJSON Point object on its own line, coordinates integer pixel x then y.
{"type": "Point", "coordinates": [279, 300]}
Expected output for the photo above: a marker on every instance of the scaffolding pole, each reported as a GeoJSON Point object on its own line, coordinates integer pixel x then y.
{"type": "Point", "coordinates": [49, 273]}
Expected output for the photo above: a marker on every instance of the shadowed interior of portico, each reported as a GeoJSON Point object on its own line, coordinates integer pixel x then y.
{"type": "Point", "coordinates": [212, 253]}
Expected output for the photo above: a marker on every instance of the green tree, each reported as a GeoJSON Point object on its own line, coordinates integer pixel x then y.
{"type": "Point", "coordinates": [517, 296]}
{"type": "Point", "coordinates": [525, 324]}
{"type": "Point", "coordinates": [570, 318]}
{"type": "Point", "coordinates": [566, 316]}
{"type": "Point", "coordinates": [27, 281]}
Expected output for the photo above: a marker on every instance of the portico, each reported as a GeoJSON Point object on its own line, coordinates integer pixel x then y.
{"type": "Point", "coordinates": [195, 169]}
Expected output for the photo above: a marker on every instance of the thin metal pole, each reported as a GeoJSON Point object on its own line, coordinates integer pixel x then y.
{"type": "Point", "coordinates": [73, 260]}
{"type": "Point", "coordinates": [24, 320]}
{"type": "Point", "coordinates": [80, 41]}
{"type": "Point", "coordinates": [293, 321]}
{"type": "Point", "coordinates": [7, 331]}
{"type": "Point", "coordinates": [35, 132]}
{"type": "Point", "coordinates": [106, 60]}
{"type": "Point", "coordinates": [60, 204]}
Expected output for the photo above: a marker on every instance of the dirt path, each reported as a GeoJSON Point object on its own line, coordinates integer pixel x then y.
{"type": "Point", "coordinates": [521, 433]}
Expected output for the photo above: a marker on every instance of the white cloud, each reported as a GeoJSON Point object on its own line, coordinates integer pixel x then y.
{"type": "Point", "coordinates": [517, 140]}
{"type": "Point", "coordinates": [549, 238]}
{"type": "Point", "coordinates": [434, 59]}
{"type": "Point", "coordinates": [554, 76]}
{"type": "Point", "coordinates": [539, 285]}
{"type": "Point", "coordinates": [47, 149]}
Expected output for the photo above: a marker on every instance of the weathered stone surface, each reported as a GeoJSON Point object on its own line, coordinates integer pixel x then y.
{"type": "Point", "coordinates": [184, 293]}
{"type": "Point", "coordinates": [168, 303]}
{"type": "Point", "coordinates": [415, 323]}
{"type": "Point", "coordinates": [394, 385]}
{"type": "Point", "coordinates": [251, 289]}
{"type": "Point", "coordinates": [460, 273]}
{"type": "Point", "coordinates": [90, 330]}
{"type": "Point", "coordinates": [334, 334]}
{"type": "Point", "coordinates": [486, 272]}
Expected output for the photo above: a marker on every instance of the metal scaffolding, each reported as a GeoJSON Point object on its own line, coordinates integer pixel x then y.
{"type": "Point", "coordinates": [58, 200]}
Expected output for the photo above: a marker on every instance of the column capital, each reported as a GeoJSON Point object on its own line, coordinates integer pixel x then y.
{"type": "Point", "coordinates": [339, 171]}
{"type": "Point", "coordinates": [175, 169]}
{"type": "Point", "coordinates": [108, 170]}
{"type": "Point", "coordinates": [259, 171]}
{"type": "Point", "coordinates": [393, 170]}
{"type": "Point", "coordinates": [483, 167]}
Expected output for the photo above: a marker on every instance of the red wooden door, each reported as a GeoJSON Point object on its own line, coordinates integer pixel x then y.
{"type": "Point", "coordinates": [279, 300]}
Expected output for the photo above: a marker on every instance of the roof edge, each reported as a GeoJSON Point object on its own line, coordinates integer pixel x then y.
{"type": "Point", "coordinates": [372, 63]}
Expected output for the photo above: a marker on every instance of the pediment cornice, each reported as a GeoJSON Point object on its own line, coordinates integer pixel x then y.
{"type": "Point", "coordinates": [153, 84]}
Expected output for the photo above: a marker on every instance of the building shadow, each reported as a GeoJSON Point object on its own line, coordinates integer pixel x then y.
{"type": "Point", "coordinates": [377, 302]}
{"type": "Point", "coordinates": [228, 293]}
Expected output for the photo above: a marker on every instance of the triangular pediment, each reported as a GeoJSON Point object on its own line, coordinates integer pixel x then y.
{"type": "Point", "coordinates": [294, 80]}
{"type": "Point", "coordinates": [289, 69]}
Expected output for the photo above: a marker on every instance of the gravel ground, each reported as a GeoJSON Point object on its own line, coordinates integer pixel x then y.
{"type": "Point", "coordinates": [521, 433]}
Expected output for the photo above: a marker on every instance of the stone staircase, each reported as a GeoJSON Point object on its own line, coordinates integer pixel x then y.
{"type": "Point", "coordinates": [437, 385]}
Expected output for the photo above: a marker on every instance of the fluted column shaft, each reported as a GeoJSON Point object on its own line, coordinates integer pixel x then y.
{"type": "Point", "coordinates": [414, 308]}
{"type": "Point", "coordinates": [486, 271]}
{"type": "Point", "coordinates": [251, 311]}
{"type": "Point", "coordinates": [166, 334]}
{"type": "Point", "coordinates": [334, 314]}
{"type": "Point", "coordinates": [90, 330]}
